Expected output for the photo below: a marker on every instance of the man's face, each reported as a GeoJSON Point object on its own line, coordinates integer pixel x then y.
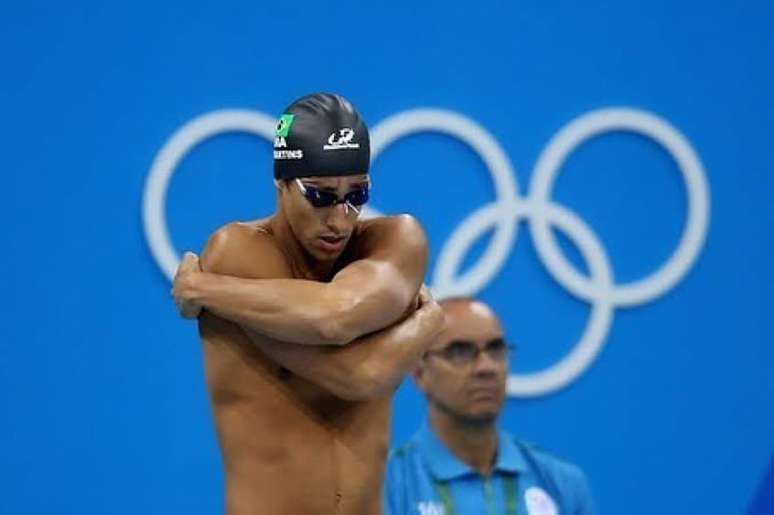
{"type": "Point", "coordinates": [322, 231]}
{"type": "Point", "coordinates": [466, 386]}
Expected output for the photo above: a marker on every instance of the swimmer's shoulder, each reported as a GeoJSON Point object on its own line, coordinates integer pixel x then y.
{"type": "Point", "coordinates": [404, 224]}
{"type": "Point", "coordinates": [245, 249]}
{"type": "Point", "coordinates": [400, 233]}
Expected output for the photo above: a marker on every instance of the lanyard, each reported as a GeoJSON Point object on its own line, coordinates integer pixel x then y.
{"type": "Point", "coordinates": [509, 489]}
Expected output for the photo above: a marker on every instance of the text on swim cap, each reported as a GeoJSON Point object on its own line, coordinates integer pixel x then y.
{"type": "Point", "coordinates": [288, 154]}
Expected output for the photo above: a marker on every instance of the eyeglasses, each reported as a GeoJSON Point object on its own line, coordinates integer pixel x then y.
{"type": "Point", "coordinates": [353, 200]}
{"type": "Point", "coordinates": [461, 352]}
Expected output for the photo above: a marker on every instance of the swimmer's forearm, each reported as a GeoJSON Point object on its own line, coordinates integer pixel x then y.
{"type": "Point", "coordinates": [368, 294]}
{"type": "Point", "coordinates": [370, 366]}
{"type": "Point", "coordinates": [393, 353]}
{"type": "Point", "coordinates": [290, 310]}
{"type": "Point", "coordinates": [301, 311]}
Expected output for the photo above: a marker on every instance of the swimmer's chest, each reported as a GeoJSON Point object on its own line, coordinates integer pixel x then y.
{"type": "Point", "coordinates": [240, 375]}
{"type": "Point", "coordinates": [247, 369]}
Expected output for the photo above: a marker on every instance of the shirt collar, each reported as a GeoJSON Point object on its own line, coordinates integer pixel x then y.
{"type": "Point", "coordinates": [445, 466]}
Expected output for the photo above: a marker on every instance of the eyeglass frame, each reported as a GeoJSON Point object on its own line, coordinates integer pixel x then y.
{"type": "Point", "coordinates": [507, 350]}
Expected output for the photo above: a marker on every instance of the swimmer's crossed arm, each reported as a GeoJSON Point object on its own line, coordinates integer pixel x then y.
{"type": "Point", "coordinates": [367, 295]}
{"type": "Point", "coordinates": [369, 367]}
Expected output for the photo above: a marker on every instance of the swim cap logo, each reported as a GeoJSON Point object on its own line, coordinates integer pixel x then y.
{"type": "Point", "coordinates": [341, 140]}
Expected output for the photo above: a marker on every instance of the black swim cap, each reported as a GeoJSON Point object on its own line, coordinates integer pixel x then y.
{"type": "Point", "coordinates": [320, 134]}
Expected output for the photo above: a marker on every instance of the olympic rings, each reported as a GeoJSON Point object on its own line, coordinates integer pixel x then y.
{"type": "Point", "coordinates": [503, 215]}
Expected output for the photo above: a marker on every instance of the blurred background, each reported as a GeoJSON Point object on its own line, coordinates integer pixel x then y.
{"type": "Point", "coordinates": [103, 407]}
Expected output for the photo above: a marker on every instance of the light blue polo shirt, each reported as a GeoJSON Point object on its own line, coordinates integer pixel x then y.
{"type": "Point", "coordinates": [425, 478]}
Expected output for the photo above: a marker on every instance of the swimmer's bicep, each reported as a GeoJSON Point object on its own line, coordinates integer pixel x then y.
{"type": "Point", "coordinates": [393, 256]}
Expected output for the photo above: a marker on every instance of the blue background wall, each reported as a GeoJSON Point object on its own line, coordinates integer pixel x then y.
{"type": "Point", "coordinates": [102, 403]}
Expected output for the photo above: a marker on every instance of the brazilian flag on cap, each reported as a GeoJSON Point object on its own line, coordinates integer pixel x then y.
{"type": "Point", "coordinates": [283, 125]}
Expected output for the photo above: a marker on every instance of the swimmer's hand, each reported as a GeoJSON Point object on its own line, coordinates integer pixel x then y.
{"type": "Point", "coordinates": [181, 288]}
{"type": "Point", "coordinates": [424, 296]}
{"type": "Point", "coordinates": [434, 320]}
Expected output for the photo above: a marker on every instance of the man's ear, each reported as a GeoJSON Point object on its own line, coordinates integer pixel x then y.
{"type": "Point", "coordinates": [279, 184]}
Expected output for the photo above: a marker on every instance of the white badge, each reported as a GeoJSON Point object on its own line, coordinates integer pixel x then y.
{"type": "Point", "coordinates": [430, 508]}
{"type": "Point", "coordinates": [539, 502]}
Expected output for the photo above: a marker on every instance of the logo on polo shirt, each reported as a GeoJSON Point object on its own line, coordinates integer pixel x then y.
{"type": "Point", "coordinates": [430, 508]}
{"type": "Point", "coordinates": [539, 502]}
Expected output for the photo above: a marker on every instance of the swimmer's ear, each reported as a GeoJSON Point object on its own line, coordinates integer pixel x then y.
{"type": "Point", "coordinates": [281, 185]}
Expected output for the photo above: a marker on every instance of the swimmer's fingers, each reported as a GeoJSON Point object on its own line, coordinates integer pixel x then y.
{"type": "Point", "coordinates": [189, 310]}
{"type": "Point", "coordinates": [431, 313]}
{"type": "Point", "coordinates": [425, 296]}
{"type": "Point", "coordinates": [190, 263]}
{"type": "Point", "coordinates": [188, 266]}
{"type": "Point", "coordinates": [181, 290]}
{"type": "Point", "coordinates": [186, 309]}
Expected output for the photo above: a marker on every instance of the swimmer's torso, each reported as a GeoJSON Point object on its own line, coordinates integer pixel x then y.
{"type": "Point", "coordinates": [289, 447]}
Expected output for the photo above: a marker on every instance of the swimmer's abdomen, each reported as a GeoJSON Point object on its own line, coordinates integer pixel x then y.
{"type": "Point", "coordinates": [288, 446]}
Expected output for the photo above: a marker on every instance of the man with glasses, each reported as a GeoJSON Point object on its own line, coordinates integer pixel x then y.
{"type": "Point", "coordinates": [459, 462]}
{"type": "Point", "coordinates": [310, 318]}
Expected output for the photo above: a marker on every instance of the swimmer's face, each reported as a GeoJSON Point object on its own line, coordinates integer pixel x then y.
{"type": "Point", "coordinates": [464, 373]}
{"type": "Point", "coordinates": [322, 231]}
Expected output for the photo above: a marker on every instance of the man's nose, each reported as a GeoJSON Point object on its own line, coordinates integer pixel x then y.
{"type": "Point", "coordinates": [485, 365]}
{"type": "Point", "coordinates": [340, 217]}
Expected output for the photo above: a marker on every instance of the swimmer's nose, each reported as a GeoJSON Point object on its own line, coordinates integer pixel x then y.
{"type": "Point", "coordinates": [340, 218]}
